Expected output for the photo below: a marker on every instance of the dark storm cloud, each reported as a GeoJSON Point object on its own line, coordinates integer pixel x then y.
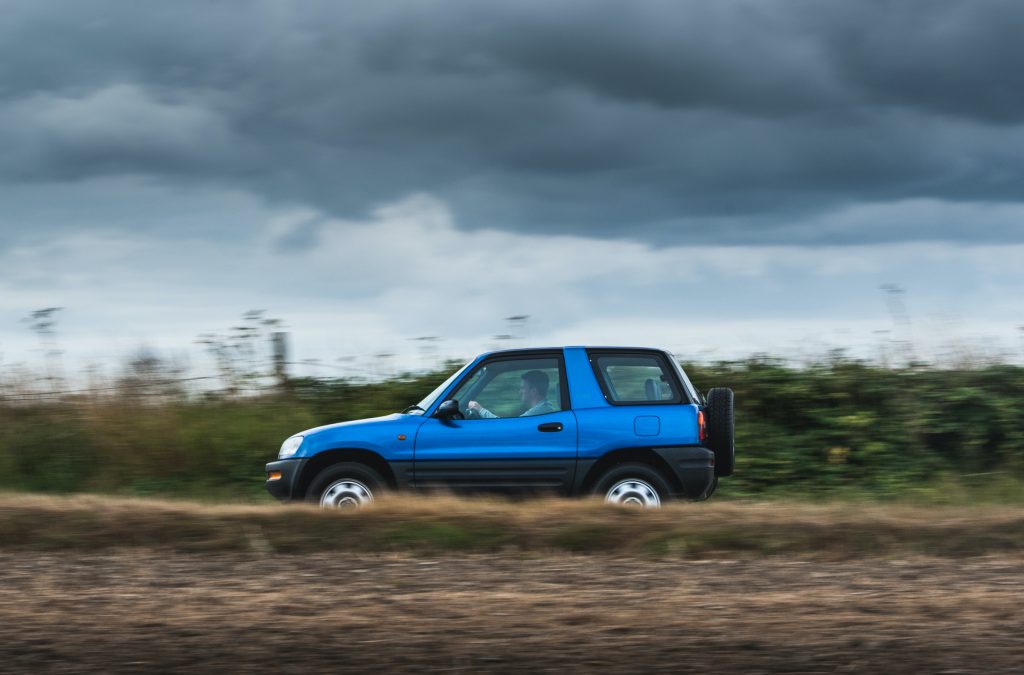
{"type": "Point", "coordinates": [675, 121]}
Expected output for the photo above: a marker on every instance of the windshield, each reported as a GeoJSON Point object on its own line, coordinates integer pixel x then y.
{"type": "Point", "coordinates": [432, 396]}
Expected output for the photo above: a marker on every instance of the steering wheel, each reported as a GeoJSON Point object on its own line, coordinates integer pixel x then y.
{"type": "Point", "coordinates": [472, 413]}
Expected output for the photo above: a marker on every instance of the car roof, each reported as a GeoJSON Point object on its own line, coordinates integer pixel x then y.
{"type": "Point", "coordinates": [520, 350]}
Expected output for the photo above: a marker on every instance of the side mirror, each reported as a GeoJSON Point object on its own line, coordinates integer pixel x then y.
{"type": "Point", "coordinates": [449, 410]}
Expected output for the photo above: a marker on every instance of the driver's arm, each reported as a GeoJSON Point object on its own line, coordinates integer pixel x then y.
{"type": "Point", "coordinates": [480, 411]}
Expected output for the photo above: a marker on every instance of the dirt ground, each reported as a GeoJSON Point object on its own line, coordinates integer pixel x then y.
{"type": "Point", "coordinates": [145, 611]}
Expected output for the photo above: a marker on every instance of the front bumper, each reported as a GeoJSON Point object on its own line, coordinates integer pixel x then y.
{"type": "Point", "coordinates": [693, 466]}
{"type": "Point", "coordinates": [283, 488]}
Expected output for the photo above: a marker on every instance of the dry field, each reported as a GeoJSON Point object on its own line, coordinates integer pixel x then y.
{"type": "Point", "coordinates": [142, 611]}
{"type": "Point", "coordinates": [90, 584]}
{"type": "Point", "coordinates": [446, 524]}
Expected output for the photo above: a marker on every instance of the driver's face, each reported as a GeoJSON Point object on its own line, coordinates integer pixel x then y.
{"type": "Point", "coordinates": [524, 392]}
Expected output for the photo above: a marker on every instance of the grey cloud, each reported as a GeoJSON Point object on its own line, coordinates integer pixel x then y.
{"type": "Point", "coordinates": [114, 129]}
{"type": "Point", "coordinates": [724, 121]}
{"type": "Point", "coordinates": [302, 236]}
{"type": "Point", "coordinates": [742, 55]}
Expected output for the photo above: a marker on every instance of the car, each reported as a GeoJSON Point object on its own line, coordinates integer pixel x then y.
{"type": "Point", "coordinates": [622, 423]}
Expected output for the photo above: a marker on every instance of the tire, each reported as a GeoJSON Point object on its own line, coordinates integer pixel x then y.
{"type": "Point", "coordinates": [346, 485]}
{"type": "Point", "coordinates": [633, 484]}
{"type": "Point", "coordinates": [721, 430]}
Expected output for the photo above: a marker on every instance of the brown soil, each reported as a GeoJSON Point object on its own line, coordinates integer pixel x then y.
{"type": "Point", "coordinates": [141, 610]}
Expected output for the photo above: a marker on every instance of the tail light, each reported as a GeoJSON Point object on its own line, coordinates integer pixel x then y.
{"type": "Point", "coordinates": [702, 430]}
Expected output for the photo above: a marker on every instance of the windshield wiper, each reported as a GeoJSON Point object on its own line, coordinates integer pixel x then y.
{"type": "Point", "coordinates": [411, 408]}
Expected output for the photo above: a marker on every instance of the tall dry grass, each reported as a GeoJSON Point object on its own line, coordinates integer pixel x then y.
{"type": "Point", "coordinates": [446, 523]}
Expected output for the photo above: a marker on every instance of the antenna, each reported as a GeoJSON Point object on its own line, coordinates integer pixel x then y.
{"type": "Point", "coordinates": [279, 347]}
{"type": "Point", "coordinates": [517, 326]}
{"type": "Point", "coordinates": [428, 350]}
{"type": "Point", "coordinates": [902, 333]}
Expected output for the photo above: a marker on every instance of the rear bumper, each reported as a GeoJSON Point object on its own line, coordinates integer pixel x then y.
{"type": "Point", "coordinates": [693, 466]}
{"type": "Point", "coordinates": [283, 488]}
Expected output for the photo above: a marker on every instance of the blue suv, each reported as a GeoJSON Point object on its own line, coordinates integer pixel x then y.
{"type": "Point", "coordinates": [623, 423]}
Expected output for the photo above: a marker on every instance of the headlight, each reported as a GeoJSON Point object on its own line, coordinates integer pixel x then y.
{"type": "Point", "coordinates": [290, 447]}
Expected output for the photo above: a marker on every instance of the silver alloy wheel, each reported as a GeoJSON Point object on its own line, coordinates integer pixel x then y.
{"type": "Point", "coordinates": [346, 494]}
{"type": "Point", "coordinates": [633, 492]}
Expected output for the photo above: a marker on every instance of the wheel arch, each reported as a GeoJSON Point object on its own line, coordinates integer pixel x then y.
{"type": "Point", "coordinates": [326, 458]}
{"type": "Point", "coordinates": [640, 455]}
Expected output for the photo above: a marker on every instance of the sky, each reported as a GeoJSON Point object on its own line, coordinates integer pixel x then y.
{"type": "Point", "coordinates": [719, 178]}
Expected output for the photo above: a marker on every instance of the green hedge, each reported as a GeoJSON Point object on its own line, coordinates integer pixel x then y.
{"type": "Point", "coordinates": [842, 428]}
{"type": "Point", "coordinates": [848, 427]}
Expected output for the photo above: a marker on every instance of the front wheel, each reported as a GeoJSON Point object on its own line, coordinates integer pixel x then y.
{"type": "Point", "coordinates": [633, 485]}
{"type": "Point", "coordinates": [347, 485]}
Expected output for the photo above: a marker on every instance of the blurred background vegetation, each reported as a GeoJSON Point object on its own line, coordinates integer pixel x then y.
{"type": "Point", "coordinates": [839, 428]}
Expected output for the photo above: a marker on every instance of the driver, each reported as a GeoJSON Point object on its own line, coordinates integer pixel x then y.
{"type": "Point", "coordinates": [533, 391]}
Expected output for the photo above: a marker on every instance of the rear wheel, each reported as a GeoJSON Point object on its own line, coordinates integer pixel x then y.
{"type": "Point", "coordinates": [633, 484]}
{"type": "Point", "coordinates": [347, 485]}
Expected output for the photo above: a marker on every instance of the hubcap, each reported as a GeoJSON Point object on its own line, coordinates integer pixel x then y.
{"type": "Point", "coordinates": [346, 494]}
{"type": "Point", "coordinates": [633, 492]}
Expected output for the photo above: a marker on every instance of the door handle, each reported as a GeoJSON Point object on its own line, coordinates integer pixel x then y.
{"type": "Point", "coordinates": [550, 426]}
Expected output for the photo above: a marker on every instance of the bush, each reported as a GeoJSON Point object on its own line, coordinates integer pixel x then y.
{"type": "Point", "coordinates": [841, 428]}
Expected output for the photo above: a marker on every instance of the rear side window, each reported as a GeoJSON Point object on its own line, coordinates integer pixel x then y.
{"type": "Point", "coordinates": [636, 379]}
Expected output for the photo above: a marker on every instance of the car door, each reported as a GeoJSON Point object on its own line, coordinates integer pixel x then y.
{"type": "Point", "coordinates": [518, 434]}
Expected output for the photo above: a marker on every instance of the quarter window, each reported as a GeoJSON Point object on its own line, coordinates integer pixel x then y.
{"type": "Point", "coordinates": [636, 378]}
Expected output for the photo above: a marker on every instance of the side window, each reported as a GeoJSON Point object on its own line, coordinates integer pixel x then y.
{"type": "Point", "coordinates": [513, 387]}
{"type": "Point", "coordinates": [636, 378]}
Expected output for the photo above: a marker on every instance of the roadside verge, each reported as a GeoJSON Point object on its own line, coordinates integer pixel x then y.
{"type": "Point", "coordinates": [444, 523]}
